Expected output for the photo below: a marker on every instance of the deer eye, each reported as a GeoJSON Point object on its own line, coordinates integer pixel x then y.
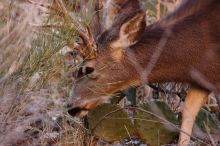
{"type": "Point", "coordinates": [88, 70]}
{"type": "Point", "coordinates": [85, 71]}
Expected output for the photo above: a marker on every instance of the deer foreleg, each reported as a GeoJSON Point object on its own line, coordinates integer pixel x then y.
{"type": "Point", "coordinates": [195, 99]}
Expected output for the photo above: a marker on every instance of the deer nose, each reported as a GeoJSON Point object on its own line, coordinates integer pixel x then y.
{"type": "Point", "coordinates": [84, 71]}
{"type": "Point", "coordinates": [76, 111]}
{"type": "Point", "coordinates": [80, 108]}
{"type": "Point", "coordinates": [76, 108]}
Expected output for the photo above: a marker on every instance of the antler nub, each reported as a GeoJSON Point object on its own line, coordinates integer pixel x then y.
{"type": "Point", "coordinates": [88, 49]}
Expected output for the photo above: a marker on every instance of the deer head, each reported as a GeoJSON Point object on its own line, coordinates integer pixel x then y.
{"type": "Point", "coordinates": [106, 68]}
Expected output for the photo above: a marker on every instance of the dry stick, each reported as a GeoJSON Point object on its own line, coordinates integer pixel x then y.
{"type": "Point", "coordinates": [47, 6]}
{"type": "Point", "coordinates": [157, 52]}
{"type": "Point", "coordinates": [148, 112]}
{"type": "Point", "coordinates": [59, 25]}
{"type": "Point", "coordinates": [88, 40]}
{"type": "Point", "coordinates": [202, 80]}
{"type": "Point", "coordinates": [158, 142]}
{"type": "Point", "coordinates": [128, 135]}
{"type": "Point", "coordinates": [144, 72]}
{"type": "Point", "coordinates": [210, 136]}
{"type": "Point", "coordinates": [158, 10]}
{"type": "Point", "coordinates": [62, 7]}
{"type": "Point", "coordinates": [62, 11]}
{"type": "Point", "coordinates": [141, 119]}
{"type": "Point", "coordinates": [75, 122]}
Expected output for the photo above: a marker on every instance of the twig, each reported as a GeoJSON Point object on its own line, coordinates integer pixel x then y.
{"type": "Point", "coordinates": [148, 112]}
{"type": "Point", "coordinates": [128, 134]}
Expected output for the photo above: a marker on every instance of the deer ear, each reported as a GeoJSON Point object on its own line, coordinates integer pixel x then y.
{"type": "Point", "coordinates": [130, 31]}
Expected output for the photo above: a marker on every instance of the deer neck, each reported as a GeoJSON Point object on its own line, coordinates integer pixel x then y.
{"type": "Point", "coordinates": [162, 56]}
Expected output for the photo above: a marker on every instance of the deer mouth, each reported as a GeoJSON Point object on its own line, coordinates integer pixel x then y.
{"type": "Point", "coordinates": [77, 112]}
{"type": "Point", "coordinates": [80, 108]}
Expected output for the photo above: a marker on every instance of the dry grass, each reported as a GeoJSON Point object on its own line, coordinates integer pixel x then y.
{"type": "Point", "coordinates": [34, 78]}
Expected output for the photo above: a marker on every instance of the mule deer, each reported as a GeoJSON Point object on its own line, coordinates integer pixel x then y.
{"type": "Point", "coordinates": [183, 47]}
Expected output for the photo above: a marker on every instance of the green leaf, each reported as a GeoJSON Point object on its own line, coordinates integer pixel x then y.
{"type": "Point", "coordinates": [152, 129]}
{"type": "Point", "coordinates": [207, 122]}
{"type": "Point", "coordinates": [113, 127]}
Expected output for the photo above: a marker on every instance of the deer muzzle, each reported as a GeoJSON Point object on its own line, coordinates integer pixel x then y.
{"type": "Point", "coordinates": [80, 107]}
